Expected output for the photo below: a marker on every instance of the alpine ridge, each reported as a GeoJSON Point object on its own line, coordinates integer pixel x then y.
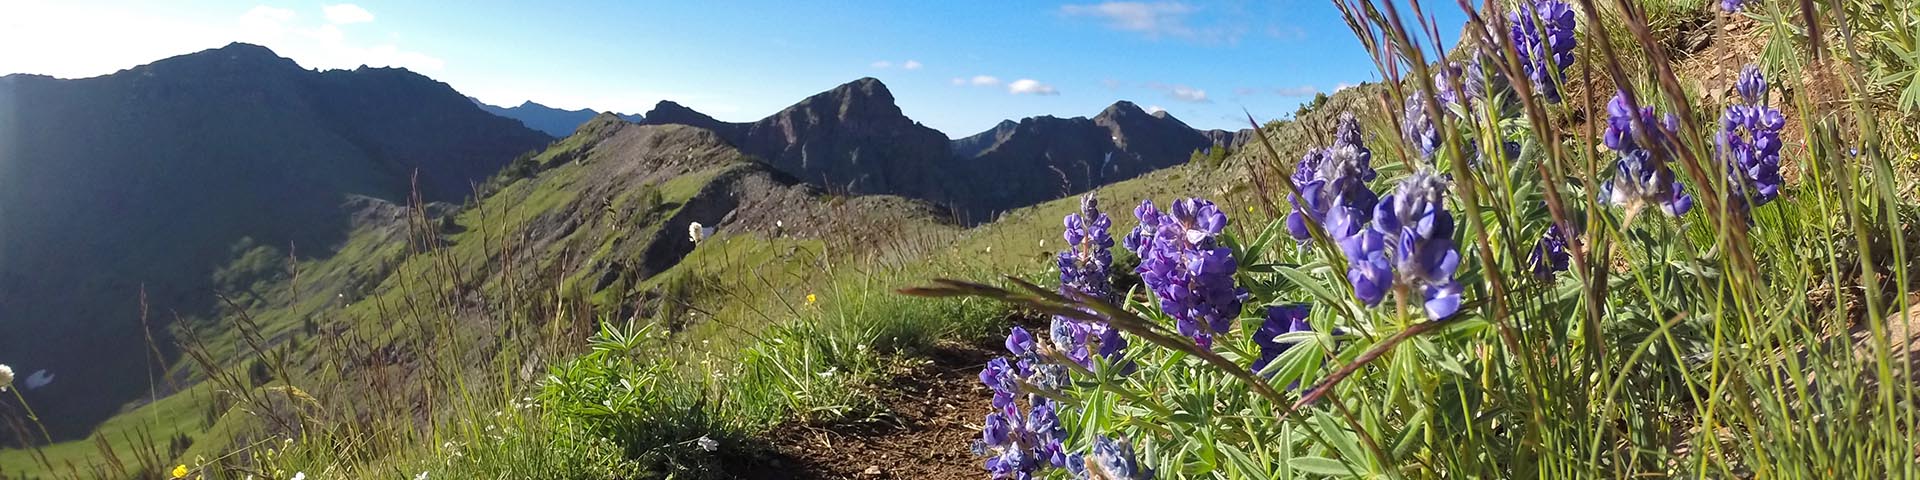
{"type": "Point", "coordinates": [854, 138]}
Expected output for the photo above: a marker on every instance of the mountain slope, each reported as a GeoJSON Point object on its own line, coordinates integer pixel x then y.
{"type": "Point", "coordinates": [147, 177]}
{"type": "Point", "coordinates": [549, 120]}
{"type": "Point", "coordinates": [599, 218]}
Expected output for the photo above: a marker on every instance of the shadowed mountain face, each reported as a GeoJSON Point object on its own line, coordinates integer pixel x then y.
{"type": "Point", "coordinates": [548, 120]}
{"type": "Point", "coordinates": [854, 138]}
{"type": "Point", "coordinates": [147, 178]}
{"type": "Point", "coordinates": [1042, 158]}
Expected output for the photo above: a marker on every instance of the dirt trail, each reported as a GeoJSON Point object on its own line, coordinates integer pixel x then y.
{"type": "Point", "coordinates": [936, 410]}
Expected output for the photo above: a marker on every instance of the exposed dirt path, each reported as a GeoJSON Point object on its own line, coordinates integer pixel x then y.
{"type": "Point", "coordinates": [937, 406]}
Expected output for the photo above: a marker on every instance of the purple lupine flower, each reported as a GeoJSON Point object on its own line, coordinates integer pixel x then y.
{"type": "Point", "coordinates": [1020, 343]}
{"type": "Point", "coordinates": [1309, 166]}
{"type": "Point", "coordinates": [1549, 254]}
{"type": "Point", "coordinates": [1731, 6]}
{"type": "Point", "coordinates": [1085, 263]}
{"type": "Point", "coordinates": [1049, 436]}
{"type": "Point", "coordinates": [1641, 176]}
{"type": "Point", "coordinates": [1336, 194]}
{"type": "Point", "coordinates": [1017, 444]}
{"type": "Point", "coordinates": [1748, 143]}
{"type": "Point", "coordinates": [1112, 459]}
{"type": "Point", "coordinates": [1419, 128]}
{"type": "Point", "coordinates": [1474, 82]}
{"type": "Point", "coordinates": [1187, 271]}
{"type": "Point", "coordinates": [1281, 319]}
{"type": "Point", "coordinates": [1413, 235]}
{"type": "Point", "coordinates": [1084, 267]}
{"type": "Point", "coordinates": [1542, 31]}
{"type": "Point", "coordinates": [1142, 234]}
{"type": "Point", "coordinates": [1001, 377]}
{"type": "Point", "coordinates": [1752, 85]}
{"type": "Point", "coordinates": [1367, 267]}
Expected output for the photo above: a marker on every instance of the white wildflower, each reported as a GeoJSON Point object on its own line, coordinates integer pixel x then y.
{"type": "Point", "coordinates": [421, 476]}
{"type": "Point", "coordinates": [708, 444]}
{"type": "Point", "coordinates": [299, 476]}
{"type": "Point", "coordinates": [6, 377]}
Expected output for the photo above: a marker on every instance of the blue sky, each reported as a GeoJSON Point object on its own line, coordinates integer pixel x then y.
{"type": "Point", "coordinates": [959, 66]}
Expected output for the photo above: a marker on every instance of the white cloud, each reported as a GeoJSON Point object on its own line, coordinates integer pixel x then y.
{"type": "Point", "coordinates": [1344, 86]}
{"type": "Point", "coordinates": [957, 81]}
{"type": "Point", "coordinates": [346, 13]}
{"type": "Point", "coordinates": [1031, 86]}
{"type": "Point", "coordinates": [881, 64]}
{"type": "Point", "coordinates": [1157, 20]}
{"type": "Point", "coordinates": [1180, 92]}
{"type": "Point", "coordinates": [77, 40]}
{"type": "Point", "coordinates": [1300, 91]}
{"type": "Point", "coordinates": [983, 80]}
{"type": "Point", "coordinates": [911, 65]}
{"type": "Point", "coordinates": [1153, 19]}
{"type": "Point", "coordinates": [1155, 109]}
{"type": "Point", "coordinates": [263, 16]}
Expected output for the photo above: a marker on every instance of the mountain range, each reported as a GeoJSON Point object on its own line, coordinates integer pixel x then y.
{"type": "Point", "coordinates": [552, 121]}
{"type": "Point", "coordinates": [149, 177]}
{"type": "Point", "coordinates": [130, 202]}
{"type": "Point", "coordinates": [853, 138]}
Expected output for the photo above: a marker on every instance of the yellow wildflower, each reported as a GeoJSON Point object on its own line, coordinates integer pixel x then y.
{"type": "Point", "coordinates": [812, 299]}
{"type": "Point", "coordinates": [180, 471]}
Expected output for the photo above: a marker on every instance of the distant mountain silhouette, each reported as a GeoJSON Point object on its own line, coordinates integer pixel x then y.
{"type": "Point", "coordinates": [855, 139]}
{"type": "Point", "coordinates": [153, 176]}
{"type": "Point", "coordinates": [549, 120]}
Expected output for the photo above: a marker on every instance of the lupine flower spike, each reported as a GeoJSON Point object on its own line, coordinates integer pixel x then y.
{"type": "Point", "coordinates": [1084, 267]}
{"type": "Point", "coordinates": [1410, 248]}
{"type": "Point", "coordinates": [1333, 186]}
{"type": "Point", "coordinates": [1641, 176]}
{"type": "Point", "coordinates": [1748, 143]}
{"type": "Point", "coordinates": [1419, 128]}
{"type": "Point", "coordinates": [1018, 445]}
{"type": "Point", "coordinates": [1187, 271]}
{"type": "Point", "coordinates": [1112, 459]}
{"type": "Point", "coordinates": [1542, 31]}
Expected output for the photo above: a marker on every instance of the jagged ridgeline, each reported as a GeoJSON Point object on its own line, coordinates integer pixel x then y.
{"type": "Point", "coordinates": [158, 175]}
{"type": "Point", "coordinates": [854, 139]}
